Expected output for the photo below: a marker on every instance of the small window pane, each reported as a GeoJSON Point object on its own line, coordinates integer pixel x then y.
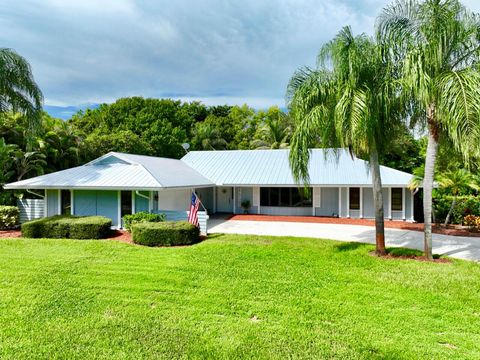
{"type": "Point", "coordinates": [264, 194]}
{"type": "Point", "coordinates": [274, 196]}
{"type": "Point", "coordinates": [126, 203]}
{"type": "Point", "coordinates": [284, 196]}
{"type": "Point", "coordinates": [354, 198]}
{"type": "Point", "coordinates": [397, 199]}
{"type": "Point", "coordinates": [66, 202]}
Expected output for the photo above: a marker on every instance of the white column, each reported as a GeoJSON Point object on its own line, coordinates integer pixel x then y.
{"type": "Point", "coordinates": [119, 210]}
{"type": "Point", "coordinates": [361, 202]}
{"type": "Point", "coordinates": [72, 203]}
{"type": "Point", "coordinates": [133, 202]}
{"type": "Point", "coordinates": [339, 202]}
{"type": "Point", "coordinates": [214, 199]}
{"type": "Point", "coordinates": [234, 198]}
{"type": "Point", "coordinates": [59, 202]}
{"type": "Point", "coordinates": [403, 203]}
{"type": "Point", "coordinates": [390, 203]}
{"type": "Point", "coordinates": [412, 207]}
{"type": "Point", "coordinates": [45, 204]}
{"type": "Point", "coordinates": [348, 202]}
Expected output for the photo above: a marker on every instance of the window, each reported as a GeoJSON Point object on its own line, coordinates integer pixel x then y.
{"type": "Point", "coordinates": [126, 203]}
{"type": "Point", "coordinates": [66, 201]}
{"type": "Point", "coordinates": [285, 196]}
{"type": "Point", "coordinates": [397, 201]}
{"type": "Point", "coordinates": [354, 196]}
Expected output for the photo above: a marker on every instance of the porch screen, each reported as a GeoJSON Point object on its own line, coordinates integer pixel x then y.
{"type": "Point", "coordinates": [285, 196]}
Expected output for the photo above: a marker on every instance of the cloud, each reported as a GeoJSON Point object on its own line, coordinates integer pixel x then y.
{"type": "Point", "coordinates": [87, 51]}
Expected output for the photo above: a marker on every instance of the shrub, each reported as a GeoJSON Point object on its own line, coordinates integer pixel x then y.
{"type": "Point", "coordinates": [472, 221]}
{"type": "Point", "coordinates": [143, 216]}
{"type": "Point", "coordinates": [465, 205]}
{"type": "Point", "coordinates": [9, 217]}
{"type": "Point", "coordinates": [64, 227]}
{"type": "Point", "coordinates": [166, 233]}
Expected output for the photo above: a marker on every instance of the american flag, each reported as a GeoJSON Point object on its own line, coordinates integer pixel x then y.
{"type": "Point", "coordinates": [193, 213]}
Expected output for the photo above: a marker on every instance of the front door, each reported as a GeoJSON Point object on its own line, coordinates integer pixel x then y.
{"type": "Point", "coordinates": [224, 199]}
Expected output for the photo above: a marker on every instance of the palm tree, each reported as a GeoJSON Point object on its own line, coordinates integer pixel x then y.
{"type": "Point", "coordinates": [274, 133]}
{"type": "Point", "coordinates": [207, 137]}
{"type": "Point", "coordinates": [439, 45]}
{"type": "Point", "coordinates": [18, 90]}
{"type": "Point", "coordinates": [350, 104]}
{"type": "Point", "coordinates": [6, 154]}
{"type": "Point", "coordinates": [28, 163]}
{"type": "Point", "coordinates": [456, 182]}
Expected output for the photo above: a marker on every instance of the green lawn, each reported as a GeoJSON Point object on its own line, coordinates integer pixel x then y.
{"type": "Point", "coordinates": [232, 297]}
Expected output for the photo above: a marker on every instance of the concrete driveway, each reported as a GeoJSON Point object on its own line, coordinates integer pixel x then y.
{"type": "Point", "coordinates": [455, 246]}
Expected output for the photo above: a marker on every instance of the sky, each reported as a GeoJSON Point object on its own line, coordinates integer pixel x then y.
{"type": "Point", "coordinates": [85, 52]}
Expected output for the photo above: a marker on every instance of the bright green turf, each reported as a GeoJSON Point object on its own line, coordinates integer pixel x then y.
{"type": "Point", "coordinates": [313, 299]}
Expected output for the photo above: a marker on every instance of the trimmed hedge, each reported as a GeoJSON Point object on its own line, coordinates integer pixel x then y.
{"type": "Point", "coordinates": [9, 217]}
{"type": "Point", "coordinates": [168, 233]}
{"type": "Point", "coordinates": [68, 227]}
{"type": "Point", "coordinates": [142, 216]}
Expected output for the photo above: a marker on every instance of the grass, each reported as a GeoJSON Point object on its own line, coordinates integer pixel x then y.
{"type": "Point", "coordinates": [232, 297]}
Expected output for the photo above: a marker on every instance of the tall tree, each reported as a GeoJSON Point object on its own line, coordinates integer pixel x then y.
{"type": "Point", "coordinates": [18, 90]}
{"type": "Point", "coordinates": [274, 133]}
{"type": "Point", "coordinates": [438, 43]}
{"type": "Point", "coordinates": [349, 101]}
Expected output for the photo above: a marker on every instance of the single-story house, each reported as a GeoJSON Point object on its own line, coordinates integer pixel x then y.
{"type": "Point", "coordinates": [117, 184]}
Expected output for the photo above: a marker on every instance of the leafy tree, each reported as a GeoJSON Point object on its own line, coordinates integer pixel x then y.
{"type": "Point", "coordinates": [456, 182]}
{"type": "Point", "coordinates": [439, 45]}
{"type": "Point", "coordinates": [206, 137]}
{"type": "Point", "coordinates": [274, 132]}
{"type": "Point", "coordinates": [351, 105]}
{"type": "Point", "coordinates": [96, 145]}
{"type": "Point", "coordinates": [28, 164]}
{"type": "Point", "coordinates": [18, 90]}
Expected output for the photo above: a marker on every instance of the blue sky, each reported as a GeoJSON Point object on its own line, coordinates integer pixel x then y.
{"type": "Point", "coordinates": [89, 51]}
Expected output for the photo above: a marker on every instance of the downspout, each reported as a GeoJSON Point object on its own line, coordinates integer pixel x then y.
{"type": "Point", "coordinates": [34, 193]}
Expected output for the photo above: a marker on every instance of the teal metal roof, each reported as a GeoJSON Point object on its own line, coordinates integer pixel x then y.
{"type": "Point", "coordinates": [119, 171]}
{"type": "Point", "coordinates": [271, 167]}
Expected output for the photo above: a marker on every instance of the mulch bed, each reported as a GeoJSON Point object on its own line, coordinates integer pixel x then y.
{"type": "Point", "coordinates": [10, 233]}
{"type": "Point", "coordinates": [391, 224]}
{"type": "Point", "coordinates": [121, 235]}
{"type": "Point", "coordinates": [421, 258]}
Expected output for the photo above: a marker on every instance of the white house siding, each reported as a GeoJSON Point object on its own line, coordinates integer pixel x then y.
{"type": "Point", "coordinates": [174, 199]}
{"type": "Point", "coordinates": [328, 202]}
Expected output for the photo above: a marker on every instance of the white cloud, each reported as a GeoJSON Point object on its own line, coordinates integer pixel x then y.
{"type": "Point", "coordinates": [217, 51]}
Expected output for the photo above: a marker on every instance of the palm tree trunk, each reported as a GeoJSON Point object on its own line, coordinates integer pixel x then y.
{"type": "Point", "coordinates": [430, 158]}
{"type": "Point", "coordinates": [447, 219]}
{"type": "Point", "coordinates": [378, 203]}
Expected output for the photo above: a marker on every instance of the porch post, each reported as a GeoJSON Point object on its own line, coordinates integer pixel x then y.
{"type": "Point", "coordinates": [339, 202]}
{"type": "Point", "coordinates": [133, 202]}
{"type": "Point", "coordinates": [234, 197]}
{"type": "Point", "coordinates": [412, 205]}
{"type": "Point", "coordinates": [390, 203]}
{"type": "Point", "coordinates": [361, 203]}
{"type": "Point", "coordinates": [119, 210]}
{"type": "Point", "coordinates": [214, 199]}
{"type": "Point", "coordinates": [72, 203]}
{"type": "Point", "coordinates": [348, 202]}
{"type": "Point", "coordinates": [59, 202]}
{"type": "Point", "coordinates": [403, 203]}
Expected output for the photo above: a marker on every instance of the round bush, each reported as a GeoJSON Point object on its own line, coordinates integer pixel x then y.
{"type": "Point", "coordinates": [168, 233]}
{"type": "Point", "coordinates": [9, 217]}
{"type": "Point", "coordinates": [142, 216]}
